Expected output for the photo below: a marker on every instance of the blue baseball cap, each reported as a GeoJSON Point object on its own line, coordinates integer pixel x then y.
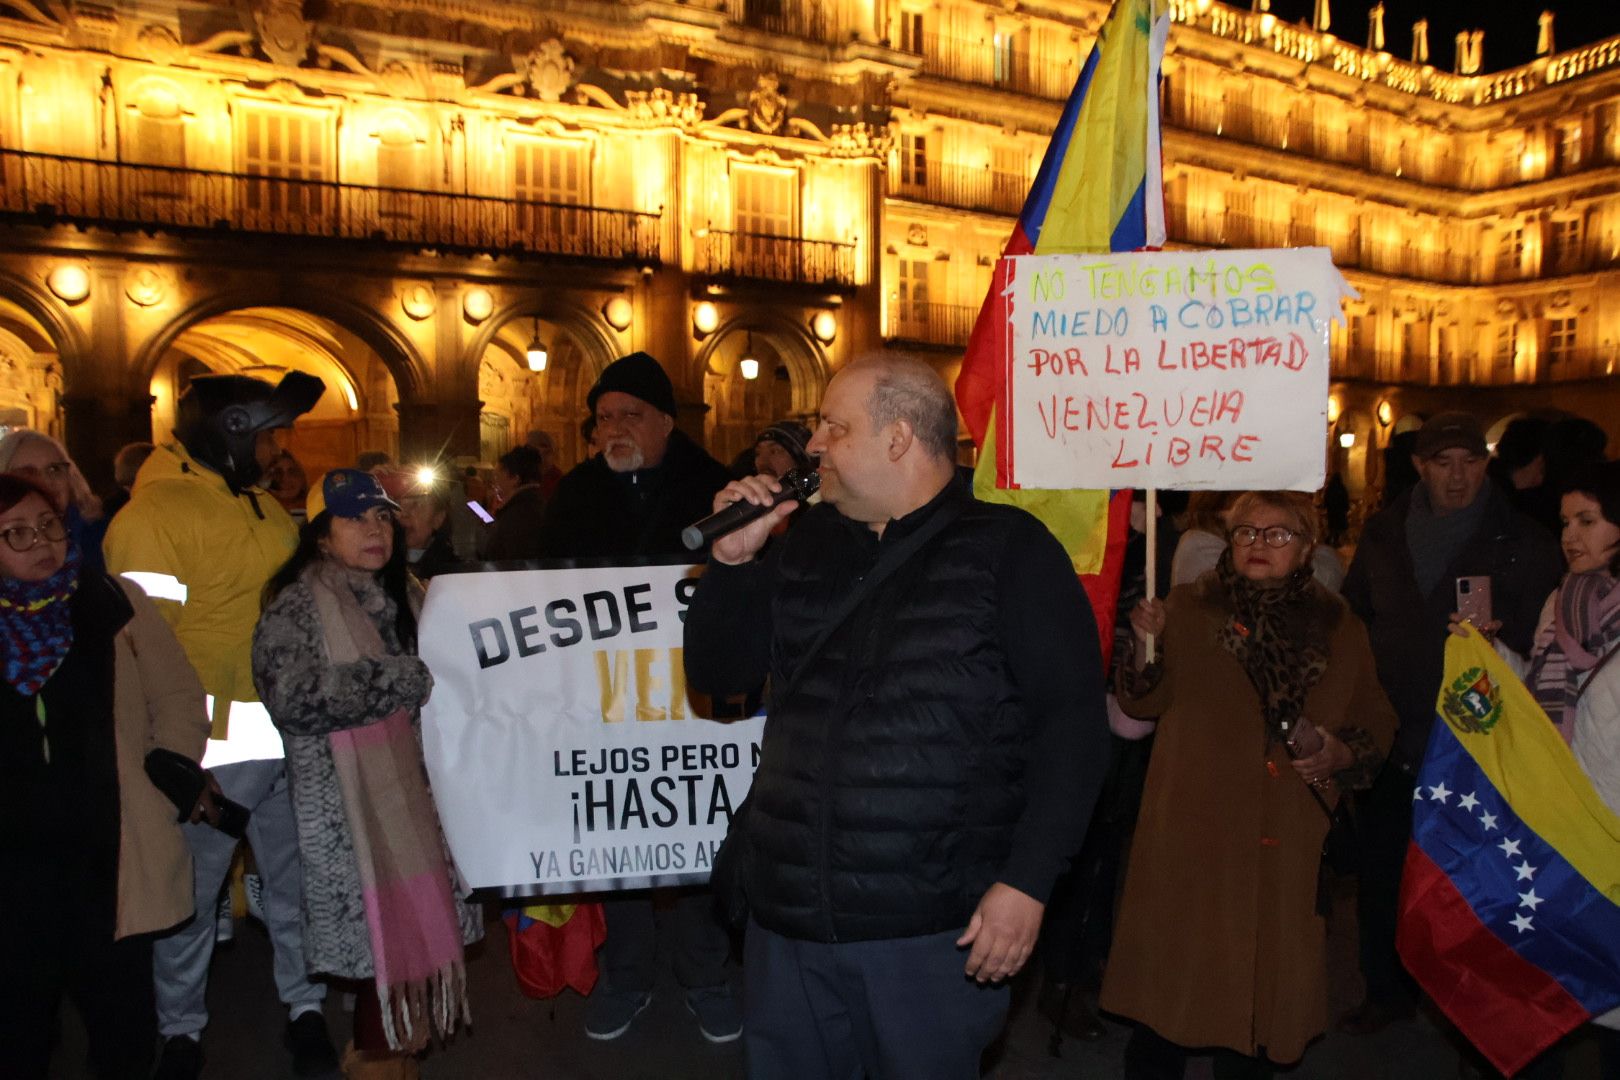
{"type": "Point", "coordinates": [347, 493]}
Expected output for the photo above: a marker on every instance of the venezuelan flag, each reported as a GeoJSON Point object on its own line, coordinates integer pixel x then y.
{"type": "Point", "coordinates": [554, 946]}
{"type": "Point", "coordinates": [1099, 189]}
{"type": "Point", "coordinates": [1510, 903]}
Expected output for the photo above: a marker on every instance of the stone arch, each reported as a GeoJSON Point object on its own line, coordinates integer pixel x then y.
{"type": "Point", "coordinates": [797, 346]}
{"type": "Point", "coordinates": [737, 408]}
{"type": "Point", "coordinates": [71, 342]}
{"type": "Point", "coordinates": [512, 400]}
{"type": "Point", "coordinates": [397, 352]}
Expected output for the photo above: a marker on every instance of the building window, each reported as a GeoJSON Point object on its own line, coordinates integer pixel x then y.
{"type": "Point", "coordinates": [548, 171]}
{"type": "Point", "coordinates": [1560, 344]}
{"type": "Point", "coordinates": [156, 132]}
{"type": "Point", "coordinates": [1513, 161]}
{"type": "Point", "coordinates": [289, 150]}
{"type": "Point", "coordinates": [1563, 244]}
{"type": "Point", "coordinates": [1007, 58]}
{"type": "Point", "coordinates": [1360, 344]}
{"type": "Point", "coordinates": [763, 201]}
{"type": "Point", "coordinates": [914, 160]}
{"type": "Point", "coordinates": [1505, 353]}
{"type": "Point", "coordinates": [549, 178]}
{"type": "Point", "coordinates": [399, 155]}
{"type": "Point", "coordinates": [1569, 148]}
{"type": "Point", "coordinates": [911, 313]}
{"type": "Point", "coordinates": [911, 32]}
{"type": "Point", "coordinates": [1510, 253]}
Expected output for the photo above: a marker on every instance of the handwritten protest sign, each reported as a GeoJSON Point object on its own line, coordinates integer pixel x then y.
{"type": "Point", "coordinates": [1184, 369]}
{"type": "Point", "coordinates": [564, 750]}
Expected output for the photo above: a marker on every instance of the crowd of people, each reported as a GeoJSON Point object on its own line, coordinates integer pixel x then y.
{"type": "Point", "coordinates": [951, 787]}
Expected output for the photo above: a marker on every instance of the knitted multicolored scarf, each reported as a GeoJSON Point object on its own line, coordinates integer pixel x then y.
{"type": "Point", "coordinates": [404, 872]}
{"type": "Point", "coordinates": [1585, 625]}
{"type": "Point", "coordinates": [36, 625]}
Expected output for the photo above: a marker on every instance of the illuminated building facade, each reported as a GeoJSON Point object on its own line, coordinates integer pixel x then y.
{"type": "Point", "coordinates": [423, 201]}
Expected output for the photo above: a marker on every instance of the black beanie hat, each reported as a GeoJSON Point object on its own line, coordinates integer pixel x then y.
{"type": "Point", "coordinates": [638, 375]}
{"type": "Point", "coordinates": [791, 436]}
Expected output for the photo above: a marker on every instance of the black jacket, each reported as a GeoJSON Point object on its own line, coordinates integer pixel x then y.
{"type": "Point", "coordinates": [597, 513]}
{"type": "Point", "coordinates": [516, 532]}
{"type": "Point", "coordinates": [1408, 629]}
{"type": "Point", "coordinates": [949, 736]}
{"type": "Point", "coordinates": [437, 557]}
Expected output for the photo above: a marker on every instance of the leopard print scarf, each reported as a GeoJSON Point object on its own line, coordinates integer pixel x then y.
{"type": "Point", "coordinates": [1277, 634]}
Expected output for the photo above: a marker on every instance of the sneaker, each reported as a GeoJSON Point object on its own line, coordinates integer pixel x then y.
{"type": "Point", "coordinates": [224, 920]}
{"type": "Point", "coordinates": [717, 1014]}
{"type": "Point", "coordinates": [609, 1013]}
{"type": "Point", "coordinates": [311, 1046]}
{"type": "Point", "coordinates": [253, 893]}
{"type": "Point", "coordinates": [180, 1059]}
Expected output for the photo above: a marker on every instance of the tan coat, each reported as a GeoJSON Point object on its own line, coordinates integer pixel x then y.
{"type": "Point", "coordinates": [158, 701]}
{"type": "Point", "coordinates": [1218, 942]}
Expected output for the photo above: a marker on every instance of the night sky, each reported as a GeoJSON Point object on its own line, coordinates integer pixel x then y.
{"type": "Point", "coordinates": [1509, 25]}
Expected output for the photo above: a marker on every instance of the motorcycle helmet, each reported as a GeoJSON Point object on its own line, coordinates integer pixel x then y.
{"type": "Point", "coordinates": [219, 418]}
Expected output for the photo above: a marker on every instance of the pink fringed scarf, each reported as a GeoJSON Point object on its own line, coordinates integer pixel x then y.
{"type": "Point", "coordinates": [404, 876]}
{"type": "Point", "coordinates": [1585, 626]}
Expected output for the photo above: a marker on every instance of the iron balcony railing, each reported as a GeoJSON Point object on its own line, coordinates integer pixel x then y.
{"type": "Point", "coordinates": [764, 257]}
{"type": "Point", "coordinates": [1003, 65]}
{"type": "Point", "coordinates": [931, 324]}
{"type": "Point", "coordinates": [119, 194]}
{"type": "Point", "coordinates": [808, 19]}
{"type": "Point", "coordinates": [960, 186]}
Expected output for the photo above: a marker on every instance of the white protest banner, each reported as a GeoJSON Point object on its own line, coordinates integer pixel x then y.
{"type": "Point", "coordinates": [561, 744]}
{"type": "Point", "coordinates": [1172, 369]}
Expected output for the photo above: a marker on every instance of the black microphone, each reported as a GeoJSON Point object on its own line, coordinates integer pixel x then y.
{"type": "Point", "coordinates": [796, 484]}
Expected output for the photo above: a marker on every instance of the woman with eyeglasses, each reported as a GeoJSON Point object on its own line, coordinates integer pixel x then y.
{"type": "Point", "coordinates": [92, 861]}
{"type": "Point", "coordinates": [334, 659]}
{"type": "Point", "coordinates": [40, 458]}
{"type": "Point", "coordinates": [1269, 711]}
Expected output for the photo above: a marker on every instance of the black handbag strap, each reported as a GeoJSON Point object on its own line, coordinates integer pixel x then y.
{"type": "Point", "coordinates": [890, 560]}
{"type": "Point", "coordinates": [1591, 672]}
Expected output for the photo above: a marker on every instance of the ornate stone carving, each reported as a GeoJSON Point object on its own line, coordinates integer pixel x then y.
{"type": "Point", "coordinates": [159, 44]}
{"type": "Point", "coordinates": [146, 287]}
{"type": "Point", "coordinates": [861, 140]}
{"type": "Point", "coordinates": [284, 34]}
{"type": "Point", "coordinates": [549, 71]}
{"type": "Point", "coordinates": [917, 235]}
{"type": "Point", "coordinates": [767, 107]}
{"type": "Point", "coordinates": [661, 106]}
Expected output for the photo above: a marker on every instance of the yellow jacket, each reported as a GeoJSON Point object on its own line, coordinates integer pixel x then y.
{"type": "Point", "coordinates": [203, 555]}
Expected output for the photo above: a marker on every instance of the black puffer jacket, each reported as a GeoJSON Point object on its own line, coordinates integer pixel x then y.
{"type": "Point", "coordinates": [1408, 629]}
{"type": "Point", "coordinates": [895, 783]}
{"type": "Point", "coordinates": [597, 513]}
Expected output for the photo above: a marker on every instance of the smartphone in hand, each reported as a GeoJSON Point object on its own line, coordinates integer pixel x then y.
{"type": "Point", "coordinates": [1474, 599]}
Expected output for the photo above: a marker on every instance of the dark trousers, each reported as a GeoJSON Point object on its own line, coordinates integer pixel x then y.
{"type": "Point", "coordinates": [1150, 1056]}
{"type": "Point", "coordinates": [109, 982]}
{"type": "Point", "coordinates": [1384, 828]}
{"type": "Point", "coordinates": [697, 943]}
{"type": "Point", "coordinates": [884, 1010]}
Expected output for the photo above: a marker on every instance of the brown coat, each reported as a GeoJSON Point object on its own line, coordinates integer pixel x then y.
{"type": "Point", "coordinates": [1218, 942]}
{"type": "Point", "coordinates": [158, 701]}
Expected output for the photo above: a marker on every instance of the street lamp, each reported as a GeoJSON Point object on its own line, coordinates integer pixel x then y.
{"type": "Point", "coordinates": [536, 352]}
{"type": "Point", "coordinates": [1386, 413]}
{"type": "Point", "coordinates": [1347, 439]}
{"type": "Point", "coordinates": [748, 365]}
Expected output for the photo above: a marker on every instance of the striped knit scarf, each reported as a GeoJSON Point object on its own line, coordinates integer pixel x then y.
{"type": "Point", "coordinates": [36, 625]}
{"type": "Point", "coordinates": [404, 873]}
{"type": "Point", "coordinates": [1585, 625]}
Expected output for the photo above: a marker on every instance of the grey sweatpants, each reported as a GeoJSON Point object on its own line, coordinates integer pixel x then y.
{"type": "Point", "coordinates": [180, 960]}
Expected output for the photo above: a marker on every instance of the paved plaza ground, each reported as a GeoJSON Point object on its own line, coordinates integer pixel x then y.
{"type": "Point", "coordinates": [514, 1038]}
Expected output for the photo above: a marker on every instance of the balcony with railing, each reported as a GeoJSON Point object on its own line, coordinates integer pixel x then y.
{"type": "Point", "coordinates": [962, 187]}
{"type": "Point", "coordinates": [47, 188]}
{"type": "Point", "coordinates": [931, 324]}
{"type": "Point", "coordinates": [984, 62]}
{"type": "Point", "coordinates": [764, 257]}
{"type": "Point", "coordinates": [812, 20]}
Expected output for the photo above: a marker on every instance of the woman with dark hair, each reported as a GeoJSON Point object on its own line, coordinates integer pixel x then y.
{"type": "Point", "coordinates": [334, 661]}
{"type": "Point", "coordinates": [1574, 666]}
{"type": "Point", "coordinates": [92, 861]}
{"type": "Point", "coordinates": [1269, 711]}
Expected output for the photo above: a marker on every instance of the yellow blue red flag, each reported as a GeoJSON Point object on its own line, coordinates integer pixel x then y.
{"type": "Point", "coordinates": [1510, 901]}
{"type": "Point", "coordinates": [1099, 189]}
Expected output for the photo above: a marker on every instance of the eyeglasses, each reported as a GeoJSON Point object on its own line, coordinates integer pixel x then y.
{"type": "Point", "coordinates": [1276, 536]}
{"type": "Point", "coordinates": [51, 530]}
{"type": "Point", "coordinates": [56, 470]}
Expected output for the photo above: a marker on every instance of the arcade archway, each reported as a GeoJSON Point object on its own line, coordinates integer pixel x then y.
{"type": "Point", "coordinates": [518, 398]}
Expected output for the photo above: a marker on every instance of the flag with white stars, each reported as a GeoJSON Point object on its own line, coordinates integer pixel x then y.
{"type": "Point", "coordinates": [1510, 903]}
